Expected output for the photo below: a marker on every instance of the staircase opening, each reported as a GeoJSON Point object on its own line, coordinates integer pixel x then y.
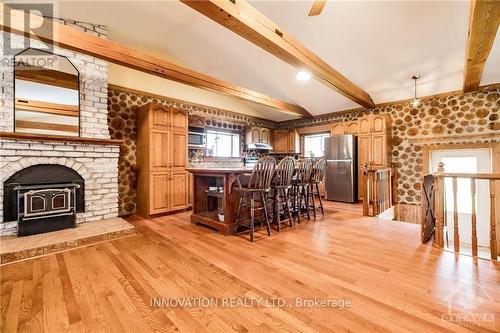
{"type": "Point", "coordinates": [471, 161]}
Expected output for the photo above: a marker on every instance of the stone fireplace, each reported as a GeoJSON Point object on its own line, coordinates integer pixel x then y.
{"type": "Point", "coordinates": [75, 177]}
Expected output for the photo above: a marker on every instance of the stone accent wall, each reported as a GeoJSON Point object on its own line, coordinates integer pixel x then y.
{"type": "Point", "coordinates": [97, 164]}
{"type": "Point", "coordinates": [122, 125]}
{"type": "Point", "coordinates": [93, 84]}
{"type": "Point", "coordinates": [444, 119]}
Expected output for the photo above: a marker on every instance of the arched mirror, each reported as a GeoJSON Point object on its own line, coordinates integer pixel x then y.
{"type": "Point", "coordinates": [47, 98]}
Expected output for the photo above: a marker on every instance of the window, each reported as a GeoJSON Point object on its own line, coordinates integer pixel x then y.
{"type": "Point", "coordinates": [223, 144]}
{"type": "Point", "coordinates": [314, 144]}
{"type": "Point", "coordinates": [465, 164]}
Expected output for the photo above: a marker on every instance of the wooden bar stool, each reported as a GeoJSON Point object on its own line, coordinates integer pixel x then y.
{"type": "Point", "coordinates": [258, 186]}
{"type": "Point", "coordinates": [281, 185]}
{"type": "Point", "coordinates": [317, 177]}
{"type": "Point", "coordinates": [300, 185]}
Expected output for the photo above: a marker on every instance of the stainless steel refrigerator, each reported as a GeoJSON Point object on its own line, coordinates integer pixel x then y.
{"type": "Point", "coordinates": [341, 173]}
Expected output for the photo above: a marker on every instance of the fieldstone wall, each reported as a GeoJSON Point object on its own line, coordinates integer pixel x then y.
{"type": "Point", "coordinates": [453, 118]}
{"type": "Point", "coordinates": [122, 125]}
{"type": "Point", "coordinates": [97, 164]}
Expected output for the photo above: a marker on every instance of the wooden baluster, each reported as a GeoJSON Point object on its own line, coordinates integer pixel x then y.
{"type": "Point", "coordinates": [493, 229]}
{"type": "Point", "coordinates": [375, 195]}
{"type": "Point", "coordinates": [456, 236]}
{"type": "Point", "coordinates": [474, 226]}
{"type": "Point", "coordinates": [389, 188]}
{"type": "Point", "coordinates": [365, 181]}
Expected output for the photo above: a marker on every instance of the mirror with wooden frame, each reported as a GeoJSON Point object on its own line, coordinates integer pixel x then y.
{"type": "Point", "coordinates": [47, 97]}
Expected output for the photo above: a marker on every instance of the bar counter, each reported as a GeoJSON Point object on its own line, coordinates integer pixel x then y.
{"type": "Point", "coordinates": [208, 203]}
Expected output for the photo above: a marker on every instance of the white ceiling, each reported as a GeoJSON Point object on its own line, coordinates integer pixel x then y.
{"type": "Point", "coordinates": [378, 45]}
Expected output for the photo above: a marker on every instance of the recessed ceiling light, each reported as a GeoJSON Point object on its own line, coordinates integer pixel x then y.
{"type": "Point", "coordinates": [303, 76]}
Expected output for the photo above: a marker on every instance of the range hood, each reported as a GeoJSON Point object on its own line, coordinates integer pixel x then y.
{"type": "Point", "coordinates": [261, 146]}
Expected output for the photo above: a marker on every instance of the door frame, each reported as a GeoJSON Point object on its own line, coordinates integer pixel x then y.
{"type": "Point", "coordinates": [495, 167]}
{"type": "Point", "coordinates": [494, 148]}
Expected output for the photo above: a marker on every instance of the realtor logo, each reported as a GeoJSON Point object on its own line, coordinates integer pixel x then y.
{"type": "Point", "coordinates": [17, 17]}
{"type": "Point", "coordinates": [466, 305]}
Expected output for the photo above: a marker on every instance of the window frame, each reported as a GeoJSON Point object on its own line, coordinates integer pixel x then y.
{"type": "Point", "coordinates": [303, 141]}
{"type": "Point", "coordinates": [224, 131]}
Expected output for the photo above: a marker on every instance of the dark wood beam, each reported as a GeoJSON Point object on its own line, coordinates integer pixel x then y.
{"type": "Point", "coordinates": [246, 21]}
{"type": "Point", "coordinates": [483, 27]}
{"type": "Point", "coordinates": [73, 39]}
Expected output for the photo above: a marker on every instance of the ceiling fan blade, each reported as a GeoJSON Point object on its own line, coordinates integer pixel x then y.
{"type": "Point", "coordinates": [317, 7]}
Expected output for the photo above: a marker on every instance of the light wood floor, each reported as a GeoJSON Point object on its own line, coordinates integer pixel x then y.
{"type": "Point", "coordinates": [394, 283]}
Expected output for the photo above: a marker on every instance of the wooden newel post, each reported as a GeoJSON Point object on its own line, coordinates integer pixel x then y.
{"type": "Point", "coordinates": [439, 207]}
{"type": "Point", "coordinates": [366, 196]}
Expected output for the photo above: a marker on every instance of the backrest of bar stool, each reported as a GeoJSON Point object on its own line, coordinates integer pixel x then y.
{"type": "Point", "coordinates": [262, 173]}
{"type": "Point", "coordinates": [304, 169]}
{"type": "Point", "coordinates": [284, 172]}
{"type": "Point", "coordinates": [319, 171]}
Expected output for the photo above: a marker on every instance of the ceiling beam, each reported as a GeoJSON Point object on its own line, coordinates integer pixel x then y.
{"type": "Point", "coordinates": [243, 19]}
{"type": "Point", "coordinates": [317, 7]}
{"type": "Point", "coordinates": [483, 26]}
{"type": "Point", "coordinates": [73, 39]}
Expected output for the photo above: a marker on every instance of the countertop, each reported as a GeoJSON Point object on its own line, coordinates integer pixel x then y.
{"type": "Point", "coordinates": [239, 169]}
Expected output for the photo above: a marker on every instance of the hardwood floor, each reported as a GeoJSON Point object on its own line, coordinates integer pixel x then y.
{"type": "Point", "coordinates": [392, 281]}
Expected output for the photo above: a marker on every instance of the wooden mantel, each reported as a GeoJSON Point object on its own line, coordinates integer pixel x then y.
{"type": "Point", "coordinates": [59, 138]}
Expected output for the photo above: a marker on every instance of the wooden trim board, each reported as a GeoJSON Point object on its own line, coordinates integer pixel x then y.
{"type": "Point", "coordinates": [59, 138]}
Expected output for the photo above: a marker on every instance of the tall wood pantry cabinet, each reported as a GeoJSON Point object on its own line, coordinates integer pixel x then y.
{"type": "Point", "coordinates": [374, 135]}
{"type": "Point", "coordinates": [162, 159]}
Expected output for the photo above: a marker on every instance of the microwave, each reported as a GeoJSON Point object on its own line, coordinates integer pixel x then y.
{"type": "Point", "coordinates": [197, 137]}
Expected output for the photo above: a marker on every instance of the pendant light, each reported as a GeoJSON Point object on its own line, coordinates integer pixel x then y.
{"type": "Point", "coordinates": [415, 103]}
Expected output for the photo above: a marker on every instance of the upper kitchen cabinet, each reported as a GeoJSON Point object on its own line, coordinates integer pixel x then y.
{"type": "Point", "coordinates": [338, 129]}
{"type": "Point", "coordinates": [178, 120]}
{"type": "Point", "coordinates": [286, 141]}
{"type": "Point", "coordinates": [258, 135]}
{"type": "Point", "coordinates": [351, 127]}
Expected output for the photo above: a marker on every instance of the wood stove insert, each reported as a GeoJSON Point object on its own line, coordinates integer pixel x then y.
{"type": "Point", "coordinates": [43, 198]}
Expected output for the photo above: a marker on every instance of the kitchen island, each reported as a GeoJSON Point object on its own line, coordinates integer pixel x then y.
{"type": "Point", "coordinates": [214, 194]}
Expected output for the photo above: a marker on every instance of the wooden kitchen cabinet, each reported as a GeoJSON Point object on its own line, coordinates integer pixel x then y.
{"type": "Point", "coordinates": [258, 135]}
{"type": "Point", "coordinates": [293, 141]}
{"type": "Point", "coordinates": [265, 135]}
{"type": "Point", "coordinates": [352, 127]}
{"type": "Point", "coordinates": [286, 141]}
{"type": "Point", "coordinates": [373, 144]}
{"type": "Point", "coordinates": [280, 140]}
{"type": "Point", "coordinates": [162, 159]}
{"type": "Point", "coordinates": [338, 129]}
{"type": "Point", "coordinates": [255, 135]}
